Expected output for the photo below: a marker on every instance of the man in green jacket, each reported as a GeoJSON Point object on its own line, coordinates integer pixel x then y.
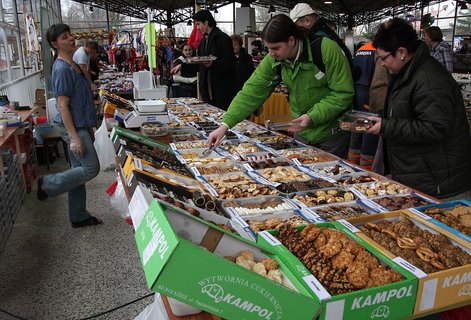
{"type": "Point", "coordinates": [317, 99]}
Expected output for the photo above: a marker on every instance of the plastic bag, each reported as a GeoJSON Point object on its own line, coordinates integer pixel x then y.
{"type": "Point", "coordinates": [118, 198]}
{"type": "Point", "coordinates": [104, 148]}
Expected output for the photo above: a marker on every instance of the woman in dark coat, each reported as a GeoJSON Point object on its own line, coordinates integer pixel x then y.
{"type": "Point", "coordinates": [244, 63]}
{"type": "Point", "coordinates": [425, 129]}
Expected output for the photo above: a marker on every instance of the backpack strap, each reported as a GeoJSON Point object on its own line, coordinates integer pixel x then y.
{"type": "Point", "coordinates": [317, 60]}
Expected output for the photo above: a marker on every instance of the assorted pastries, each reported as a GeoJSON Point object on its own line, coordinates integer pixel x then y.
{"type": "Point", "coordinates": [320, 197]}
{"type": "Point", "coordinates": [275, 223]}
{"type": "Point", "coordinates": [458, 217]}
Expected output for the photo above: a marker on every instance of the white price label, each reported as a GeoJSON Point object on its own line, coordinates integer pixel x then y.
{"type": "Point", "coordinates": [130, 179]}
{"type": "Point", "coordinates": [232, 212]}
{"type": "Point", "coordinates": [311, 215]}
{"type": "Point", "coordinates": [180, 158]}
{"type": "Point", "coordinates": [173, 146]}
{"type": "Point", "coordinates": [298, 203]}
{"type": "Point", "coordinates": [247, 166]}
{"type": "Point", "coordinates": [241, 221]}
{"type": "Point", "coordinates": [419, 214]}
{"type": "Point", "coordinates": [128, 153]}
{"type": "Point", "coordinates": [138, 163]}
{"type": "Point", "coordinates": [317, 288]}
{"type": "Point", "coordinates": [348, 225]}
{"type": "Point", "coordinates": [357, 193]}
{"type": "Point", "coordinates": [122, 142]}
{"type": "Point", "coordinates": [211, 190]}
{"type": "Point", "coordinates": [195, 171]}
{"type": "Point", "coordinates": [269, 238]}
{"type": "Point", "coordinates": [296, 162]}
{"type": "Point", "coordinates": [410, 267]}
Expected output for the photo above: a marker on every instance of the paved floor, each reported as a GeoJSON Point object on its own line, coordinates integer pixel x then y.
{"type": "Point", "coordinates": [50, 270]}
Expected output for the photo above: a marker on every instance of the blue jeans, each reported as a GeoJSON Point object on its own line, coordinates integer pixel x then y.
{"type": "Point", "coordinates": [84, 169]}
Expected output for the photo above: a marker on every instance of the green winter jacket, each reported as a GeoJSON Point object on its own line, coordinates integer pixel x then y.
{"type": "Point", "coordinates": [324, 97]}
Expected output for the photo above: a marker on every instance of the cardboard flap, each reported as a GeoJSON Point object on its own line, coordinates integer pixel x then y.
{"type": "Point", "coordinates": [211, 239]}
{"type": "Point", "coordinates": [156, 241]}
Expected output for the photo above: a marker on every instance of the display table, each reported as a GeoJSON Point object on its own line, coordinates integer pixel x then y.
{"type": "Point", "coordinates": [276, 105]}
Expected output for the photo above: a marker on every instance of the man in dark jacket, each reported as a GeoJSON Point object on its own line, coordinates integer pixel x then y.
{"type": "Point", "coordinates": [425, 129]}
{"type": "Point", "coordinates": [216, 77]}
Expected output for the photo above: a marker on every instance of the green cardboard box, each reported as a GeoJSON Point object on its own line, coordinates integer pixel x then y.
{"type": "Point", "coordinates": [137, 137]}
{"type": "Point", "coordinates": [392, 301]}
{"type": "Point", "coordinates": [182, 257]}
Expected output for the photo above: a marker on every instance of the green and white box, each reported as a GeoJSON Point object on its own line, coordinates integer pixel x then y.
{"type": "Point", "coordinates": [182, 258]}
{"type": "Point", "coordinates": [392, 301]}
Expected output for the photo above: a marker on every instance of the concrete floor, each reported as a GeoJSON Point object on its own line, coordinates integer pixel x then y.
{"type": "Point", "coordinates": [50, 270]}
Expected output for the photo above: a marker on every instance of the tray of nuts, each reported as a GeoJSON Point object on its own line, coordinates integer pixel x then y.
{"type": "Point", "coordinates": [319, 197]}
{"type": "Point", "coordinates": [252, 207]}
{"type": "Point", "coordinates": [401, 201]}
{"type": "Point", "coordinates": [195, 154]}
{"type": "Point", "coordinates": [330, 169]}
{"type": "Point", "coordinates": [237, 185]}
{"type": "Point", "coordinates": [381, 188]}
{"type": "Point", "coordinates": [345, 210]}
{"type": "Point", "coordinates": [273, 139]}
{"type": "Point", "coordinates": [283, 174]}
{"type": "Point", "coordinates": [208, 161]}
{"type": "Point", "coordinates": [239, 147]}
{"type": "Point", "coordinates": [308, 185]}
{"type": "Point", "coordinates": [283, 144]}
{"type": "Point", "coordinates": [257, 156]}
{"type": "Point", "coordinates": [307, 155]}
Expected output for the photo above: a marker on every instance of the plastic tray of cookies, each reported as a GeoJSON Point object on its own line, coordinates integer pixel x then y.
{"type": "Point", "coordinates": [184, 145]}
{"type": "Point", "coordinates": [283, 174]}
{"type": "Point", "coordinates": [401, 201]}
{"type": "Point", "coordinates": [268, 163]}
{"type": "Point", "coordinates": [380, 188]}
{"type": "Point", "coordinates": [274, 221]}
{"type": "Point", "coordinates": [257, 206]}
{"type": "Point", "coordinates": [356, 121]}
{"type": "Point", "coordinates": [237, 147]}
{"type": "Point", "coordinates": [453, 216]}
{"type": "Point", "coordinates": [283, 144]}
{"type": "Point", "coordinates": [274, 139]}
{"type": "Point", "coordinates": [257, 156]}
{"type": "Point", "coordinates": [331, 169]}
{"type": "Point", "coordinates": [346, 210]}
{"type": "Point", "coordinates": [306, 156]}
{"type": "Point", "coordinates": [309, 199]}
{"type": "Point", "coordinates": [289, 187]}
{"type": "Point", "coordinates": [237, 185]}
{"type": "Point", "coordinates": [211, 169]}
{"type": "Point", "coordinates": [192, 155]}
{"type": "Point", "coordinates": [186, 137]}
{"type": "Point", "coordinates": [217, 160]}
{"type": "Point", "coordinates": [358, 178]}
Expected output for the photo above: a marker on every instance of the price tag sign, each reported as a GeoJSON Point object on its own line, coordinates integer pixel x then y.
{"type": "Point", "coordinates": [312, 216]}
{"type": "Point", "coordinates": [419, 214]}
{"type": "Point", "coordinates": [122, 142]}
{"type": "Point", "coordinates": [247, 167]}
{"type": "Point", "coordinates": [269, 238]}
{"type": "Point", "coordinates": [173, 146]}
{"type": "Point", "coordinates": [357, 193]}
{"type": "Point", "coordinates": [232, 212]}
{"type": "Point", "coordinates": [348, 225]}
{"type": "Point", "coordinates": [316, 287]}
{"type": "Point", "coordinates": [241, 221]}
{"type": "Point", "coordinates": [195, 171]}
{"type": "Point", "coordinates": [296, 162]}
{"type": "Point", "coordinates": [410, 267]}
{"type": "Point", "coordinates": [138, 163]}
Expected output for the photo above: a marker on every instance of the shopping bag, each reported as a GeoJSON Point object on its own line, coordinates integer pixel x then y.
{"type": "Point", "coordinates": [104, 148]}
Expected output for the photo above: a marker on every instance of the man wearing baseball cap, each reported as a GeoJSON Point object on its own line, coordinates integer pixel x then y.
{"type": "Point", "coordinates": [304, 16]}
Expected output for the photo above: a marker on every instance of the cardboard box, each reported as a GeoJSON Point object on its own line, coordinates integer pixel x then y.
{"type": "Point", "coordinates": [182, 257]}
{"type": "Point", "coordinates": [392, 301]}
{"type": "Point", "coordinates": [447, 230]}
{"type": "Point", "coordinates": [138, 138]}
{"type": "Point", "coordinates": [438, 291]}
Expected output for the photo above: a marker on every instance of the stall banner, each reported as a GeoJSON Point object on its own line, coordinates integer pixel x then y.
{"type": "Point", "coordinates": [182, 257]}
{"type": "Point", "coordinates": [150, 41]}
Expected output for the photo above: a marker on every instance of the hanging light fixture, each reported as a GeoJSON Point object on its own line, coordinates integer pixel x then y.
{"type": "Point", "coordinates": [271, 9]}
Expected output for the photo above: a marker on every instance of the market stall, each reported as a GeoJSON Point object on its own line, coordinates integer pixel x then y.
{"type": "Point", "coordinates": [267, 227]}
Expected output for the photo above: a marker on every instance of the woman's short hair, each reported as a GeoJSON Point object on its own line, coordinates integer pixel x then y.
{"type": "Point", "coordinates": [54, 32]}
{"type": "Point", "coordinates": [396, 33]}
{"type": "Point", "coordinates": [237, 38]}
{"type": "Point", "coordinates": [279, 28]}
{"type": "Point", "coordinates": [435, 34]}
{"type": "Point", "coordinates": [205, 15]}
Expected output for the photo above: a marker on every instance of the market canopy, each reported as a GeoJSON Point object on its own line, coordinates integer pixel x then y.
{"type": "Point", "coordinates": [351, 12]}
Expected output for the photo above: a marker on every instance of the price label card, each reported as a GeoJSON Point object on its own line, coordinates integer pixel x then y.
{"type": "Point", "coordinates": [311, 215]}
{"type": "Point", "coordinates": [247, 167]}
{"type": "Point", "coordinates": [195, 171]}
{"type": "Point", "coordinates": [296, 162]}
{"type": "Point", "coordinates": [317, 287]}
{"type": "Point", "coordinates": [180, 158]}
{"type": "Point", "coordinates": [173, 146]}
{"type": "Point", "coordinates": [357, 193]}
{"type": "Point", "coordinates": [138, 163]}
{"type": "Point", "coordinates": [348, 225]}
{"type": "Point", "coordinates": [420, 214]}
{"type": "Point", "coordinates": [241, 221]}
{"type": "Point", "coordinates": [269, 238]}
{"type": "Point", "coordinates": [298, 203]}
{"type": "Point", "coordinates": [232, 212]}
{"type": "Point", "coordinates": [122, 142]}
{"type": "Point", "coordinates": [211, 190]}
{"type": "Point", "coordinates": [410, 267]}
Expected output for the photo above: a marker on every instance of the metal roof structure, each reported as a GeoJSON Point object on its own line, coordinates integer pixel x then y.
{"type": "Point", "coordinates": [349, 12]}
